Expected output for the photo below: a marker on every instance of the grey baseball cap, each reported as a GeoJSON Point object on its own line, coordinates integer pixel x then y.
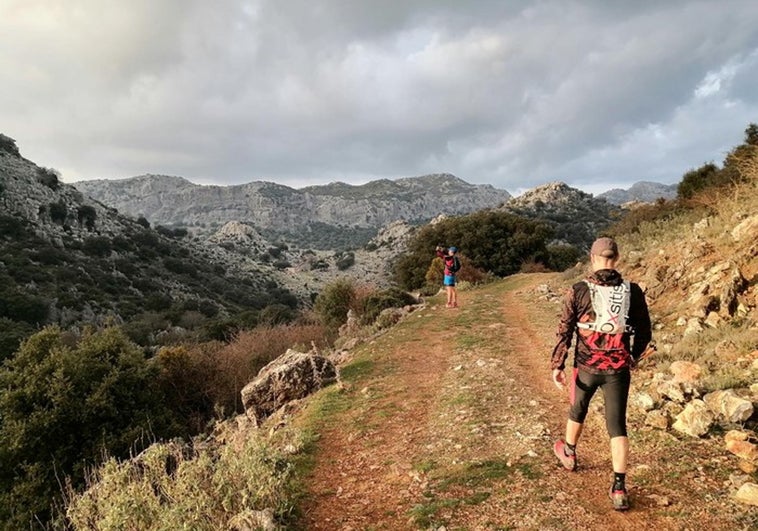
{"type": "Point", "coordinates": [605, 247]}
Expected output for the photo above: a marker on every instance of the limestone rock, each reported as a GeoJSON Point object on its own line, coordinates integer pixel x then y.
{"type": "Point", "coordinates": [747, 493]}
{"type": "Point", "coordinates": [643, 401]}
{"type": "Point", "coordinates": [747, 229]}
{"type": "Point", "coordinates": [685, 371]}
{"type": "Point", "coordinates": [744, 450]}
{"type": "Point", "coordinates": [249, 520]}
{"type": "Point", "coordinates": [694, 327]}
{"type": "Point", "coordinates": [657, 419]}
{"type": "Point", "coordinates": [289, 377]}
{"type": "Point", "coordinates": [695, 420]}
{"type": "Point", "coordinates": [728, 405]}
{"type": "Point", "coordinates": [671, 390]}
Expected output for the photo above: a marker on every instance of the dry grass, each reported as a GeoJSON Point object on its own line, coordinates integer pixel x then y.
{"type": "Point", "coordinates": [174, 487]}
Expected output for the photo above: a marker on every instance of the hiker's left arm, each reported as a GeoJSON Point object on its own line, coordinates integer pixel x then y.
{"type": "Point", "coordinates": [640, 317]}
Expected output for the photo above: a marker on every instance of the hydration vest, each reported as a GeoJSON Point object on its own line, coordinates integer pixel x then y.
{"type": "Point", "coordinates": [611, 307]}
{"type": "Point", "coordinates": [605, 335]}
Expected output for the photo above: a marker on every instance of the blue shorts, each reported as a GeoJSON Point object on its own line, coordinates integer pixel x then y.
{"type": "Point", "coordinates": [449, 280]}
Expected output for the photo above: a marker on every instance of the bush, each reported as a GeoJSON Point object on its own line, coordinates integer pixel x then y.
{"type": "Point", "coordinates": [142, 220]}
{"type": "Point", "coordinates": [495, 242]}
{"type": "Point", "coordinates": [11, 335]}
{"type": "Point", "coordinates": [381, 300]}
{"type": "Point", "coordinates": [333, 303]}
{"type": "Point", "coordinates": [562, 257]}
{"type": "Point", "coordinates": [49, 177]}
{"type": "Point", "coordinates": [21, 306]}
{"type": "Point", "coordinates": [86, 216]}
{"type": "Point", "coordinates": [65, 405]}
{"type": "Point", "coordinates": [698, 179]}
{"type": "Point", "coordinates": [171, 486]}
{"type": "Point", "coordinates": [97, 246]}
{"type": "Point", "coordinates": [240, 361]}
{"type": "Point", "coordinates": [58, 212]}
{"type": "Point", "coordinates": [8, 145]}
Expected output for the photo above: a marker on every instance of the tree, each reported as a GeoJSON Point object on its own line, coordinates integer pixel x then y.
{"type": "Point", "coordinates": [698, 179]}
{"type": "Point", "coordinates": [333, 303]}
{"type": "Point", "coordinates": [751, 134]}
{"type": "Point", "coordinates": [495, 242]}
{"type": "Point", "coordinates": [86, 215]}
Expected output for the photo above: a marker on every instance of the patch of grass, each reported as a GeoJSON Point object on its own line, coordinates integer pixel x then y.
{"type": "Point", "coordinates": [357, 370]}
{"type": "Point", "coordinates": [425, 466]}
{"type": "Point", "coordinates": [529, 471]}
{"type": "Point", "coordinates": [477, 498]}
{"type": "Point", "coordinates": [467, 341]}
{"type": "Point", "coordinates": [477, 474]}
{"type": "Point", "coordinates": [424, 515]}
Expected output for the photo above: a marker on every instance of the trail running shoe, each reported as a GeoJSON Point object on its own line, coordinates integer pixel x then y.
{"type": "Point", "coordinates": [568, 461]}
{"type": "Point", "coordinates": [619, 499]}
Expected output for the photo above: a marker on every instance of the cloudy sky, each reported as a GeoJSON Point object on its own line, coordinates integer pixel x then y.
{"type": "Point", "coordinates": [598, 94]}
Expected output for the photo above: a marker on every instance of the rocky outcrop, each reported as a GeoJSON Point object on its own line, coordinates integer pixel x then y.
{"type": "Point", "coordinates": [575, 216]}
{"type": "Point", "coordinates": [290, 377]}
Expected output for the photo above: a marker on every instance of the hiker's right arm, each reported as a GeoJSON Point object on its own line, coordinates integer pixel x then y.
{"type": "Point", "coordinates": [566, 329]}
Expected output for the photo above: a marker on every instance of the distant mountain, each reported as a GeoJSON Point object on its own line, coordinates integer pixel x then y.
{"type": "Point", "coordinates": [327, 217]}
{"type": "Point", "coordinates": [575, 216]}
{"type": "Point", "coordinates": [643, 191]}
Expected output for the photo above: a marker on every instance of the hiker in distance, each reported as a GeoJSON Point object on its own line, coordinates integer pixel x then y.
{"type": "Point", "coordinates": [612, 325]}
{"type": "Point", "coordinates": [452, 265]}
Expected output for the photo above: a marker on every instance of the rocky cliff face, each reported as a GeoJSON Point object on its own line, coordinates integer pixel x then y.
{"type": "Point", "coordinates": [174, 201]}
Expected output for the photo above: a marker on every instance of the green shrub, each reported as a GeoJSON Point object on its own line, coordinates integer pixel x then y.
{"type": "Point", "coordinates": [381, 300]}
{"type": "Point", "coordinates": [64, 405]}
{"type": "Point", "coordinates": [345, 260]}
{"type": "Point", "coordinates": [333, 303]}
{"type": "Point", "coordinates": [11, 335]}
{"type": "Point", "coordinates": [171, 486]}
{"type": "Point", "coordinates": [21, 306]}
{"type": "Point", "coordinates": [698, 179]}
{"type": "Point", "coordinates": [561, 257]}
{"type": "Point", "coordinates": [495, 242]}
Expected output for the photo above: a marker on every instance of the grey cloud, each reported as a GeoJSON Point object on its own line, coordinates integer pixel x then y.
{"type": "Point", "coordinates": [510, 93]}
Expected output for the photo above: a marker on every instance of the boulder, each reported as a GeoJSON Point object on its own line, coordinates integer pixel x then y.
{"type": "Point", "coordinates": [726, 404]}
{"type": "Point", "coordinates": [734, 285]}
{"type": "Point", "coordinates": [695, 420]}
{"type": "Point", "coordinates": [657, 419]}
{"type": "Point", "coordinates": [643, 401]}
{"type": "Point", "coordinates": [685, 371]}
{"type": "Point", "coordinates": [289, 377]}
{"type": "Point", "coordinates": [671, 390]}
{"type": "Point", "coordinates": [747, 493]}
{"type": "Point", "coordinates": [693, 327]}
{"type": "Point", "coordinates": [746, 229]}
{"type": "Point", "coordinates": [744, 450]}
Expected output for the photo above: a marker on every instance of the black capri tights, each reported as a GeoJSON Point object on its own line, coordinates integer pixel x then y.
{"type": "Point", "coordinates": [615, 391]}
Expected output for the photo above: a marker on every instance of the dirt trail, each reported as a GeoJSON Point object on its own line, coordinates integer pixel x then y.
{"type": "Point", "coordinates": [448, 421]}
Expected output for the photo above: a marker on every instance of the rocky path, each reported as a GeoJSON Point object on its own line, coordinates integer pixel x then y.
{"type": "Point", "coordinates": [447, 422]}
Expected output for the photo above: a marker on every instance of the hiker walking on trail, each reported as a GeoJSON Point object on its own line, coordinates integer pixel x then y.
{"type": "Point", "coordinates": [612, 325]}
{"type": "Point", "coordinates": [452, 265]}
